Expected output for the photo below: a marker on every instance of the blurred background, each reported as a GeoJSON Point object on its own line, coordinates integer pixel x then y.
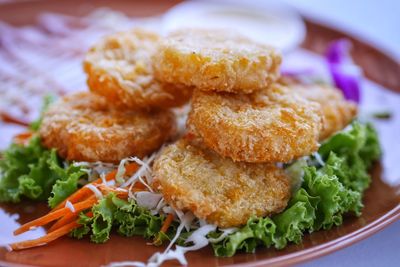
{"type": "Point", "coordinates": [372, 20]}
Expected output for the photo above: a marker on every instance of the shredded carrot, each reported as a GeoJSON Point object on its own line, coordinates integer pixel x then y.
{"type": "Point", "coordinates": [52, 216]}
{"type": "Point", "coordinates": [11, 119]}
{"type": "Point", "coordinates": [139, 185]}
{"type": "Point", "coordinates": [47, 238]}
{"type": "Point", "coordinates": [24, 135]}
{"type": "Point", "coordinates": [107, 189]}
{"type": "Point", "coordinates": [164, 228]}
{"type": "Point", "coordinates": [79, 195]}
{"type": "Point", "coordinates": [63, 221]}
{"type": "Point", "coordinates": [72, 216]}
{"type": "Point", "coordinates": [84, 192]}
{"type": "Point", "coordinates": [22, 138]}
{"type": "Point", "coordinates": [167, 223]}
{"type": "Point", "coordinates": [67, 219]}
{"type": "Point", "coordinates": [131, 168]}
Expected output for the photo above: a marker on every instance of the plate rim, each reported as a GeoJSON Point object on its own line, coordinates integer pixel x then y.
{"type": "Point", "coordinates": [329, 247]}
{"type": "Point", "coordinates": [307, 254]}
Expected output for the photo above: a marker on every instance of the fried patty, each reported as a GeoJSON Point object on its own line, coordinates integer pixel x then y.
{"type": "Point", "coordinates": [217, 189]}
{"type": "Point", "coordinates": [83, 127]}
{"type": "Point", "coordinates": [272, 125]}
{"type": "Point", "coordinates": [336, 110]}
{"type": "Point", "coordinates": [216, 60]}
{"type": "Point", "coordinates": [119, 67]}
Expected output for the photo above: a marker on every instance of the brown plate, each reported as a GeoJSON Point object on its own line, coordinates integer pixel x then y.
{"type": "Point", "coordinates": [381, 200]}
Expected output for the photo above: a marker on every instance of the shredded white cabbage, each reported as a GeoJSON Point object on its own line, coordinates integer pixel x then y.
{"type": "Point", "coordinates": [69, 205]}
{"type": "Point", "coordinates": [148, 200]}
{"type": "Point", "coordinates": [318, 158]}
{"type": "Point", "coordinates": [121, 170]}
{"type": "Point", "coordinates": [199, 240]}
{"type": "Point", "coordinates": [103, 178]}
{"type": "Point", "coordinates": [159, 206]}
{"type": "Point", "coordinates": [95, 170]}
{"type": "Point", "coordinates": [168, 210]}
{"type": "Point", "coordinates": [126, 264]}
{"type": "Point", "coordinates": [111, 183]}
{"type": "Point", "coordinates": [121, 189]}
{"type": "Point", "coordinates": [95, 190]}
{"type": "Point", "coordinates": [144, 170]}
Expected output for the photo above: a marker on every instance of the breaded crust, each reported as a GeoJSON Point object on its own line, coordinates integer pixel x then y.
{"type": "Point", "coordinates": [82, 127]}
{"type": "Point", "coordinates": [337, 111]}
{"type": "Point", "coordinates": [272, 125]}
{"type": "Point", "coordinates": [119, 68]}
{"type": "Point", "coordinates": [216, 189]}
{"type": "Point", "coordinates": [216, 60]}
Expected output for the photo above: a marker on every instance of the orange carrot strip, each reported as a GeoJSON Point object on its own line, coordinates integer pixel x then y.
{"type": "Point", "coordinates": [131, 168]}
{"type": "Point", "coordinates": [139, 185]}
{"type": "Point", "coordinates": [10, 119]}
{"type": "Point", "coordinates": [67, 219]}
{"type": "Point", "coordinates": [55, 215]}
{"type": "Point", "coordinates": [167, 223]}
{"type": "Point", "coordinates": [63, 221]}
{"type": "Point", "coordinates": [84, 192]}
{"type": "Point", "coordinates": [107, 189]}
{"type": "Point", "coordinates": [24, 135]}
{"type": "Point", "coordinates": [73, 216]}
{"type": "Point", "coordinates": [45, 239]}
{"type": "Point", "coordinates": [22, 138]}
{"type": "Point", "coordinates": [79, 195]}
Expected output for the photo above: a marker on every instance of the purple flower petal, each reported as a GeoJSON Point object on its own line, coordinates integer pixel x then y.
{"type": "Point", "coordinates": [345, 74]}
{"type": "Point", "coordinates": [338, 51]}
{"type": "Point", "coordinates": [349, 84]}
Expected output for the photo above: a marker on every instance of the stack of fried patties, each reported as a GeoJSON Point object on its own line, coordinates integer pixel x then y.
{"type": "Point", "coordinates": [242, 123]}
{"type": "Point", "coordinates": [127, 111]}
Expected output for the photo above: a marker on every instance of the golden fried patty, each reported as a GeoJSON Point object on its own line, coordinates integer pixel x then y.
{"type": "Point", "coordinates": [216, 189]}
{"type": "Point", "coordinates": [272, 125]}
{"type": "Point", "coordinates": [336, 110]}
{"type": "Point", "coordinates": [119, 67]}
{"type": "Point", "coordinates": [82, 127]}
{"type": "Point", "coordinates": [216, 60]}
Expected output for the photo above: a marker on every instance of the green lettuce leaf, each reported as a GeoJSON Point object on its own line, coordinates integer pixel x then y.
{"type": "Point", "coordinates": [36, 173]}
{"type": "Point", "coordinates": [335, 198]}
{"type": "Point", "coordinates": [257, 231]}
{"type": "Point", "coordinates": [298, 217]}
{"type": "Point", "coordinates": [125, 216]}
{"type": "Point", "coordinates": [67, 182]}
{"type": "Point", "coordinates": [326, 194]}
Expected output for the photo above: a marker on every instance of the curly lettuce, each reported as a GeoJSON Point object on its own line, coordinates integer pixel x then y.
{"type": "Point", "coordinates": [323, 192]}
{"type": "Point", "coordinates": [326, 194]}
{"type": "Point", "coordinates": [126, 217]}
{"type": "Point", "coordinates": [37, 173]}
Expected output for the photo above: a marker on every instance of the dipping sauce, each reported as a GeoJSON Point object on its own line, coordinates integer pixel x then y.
{"type": "Point", "coordinates": [272, 24]}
